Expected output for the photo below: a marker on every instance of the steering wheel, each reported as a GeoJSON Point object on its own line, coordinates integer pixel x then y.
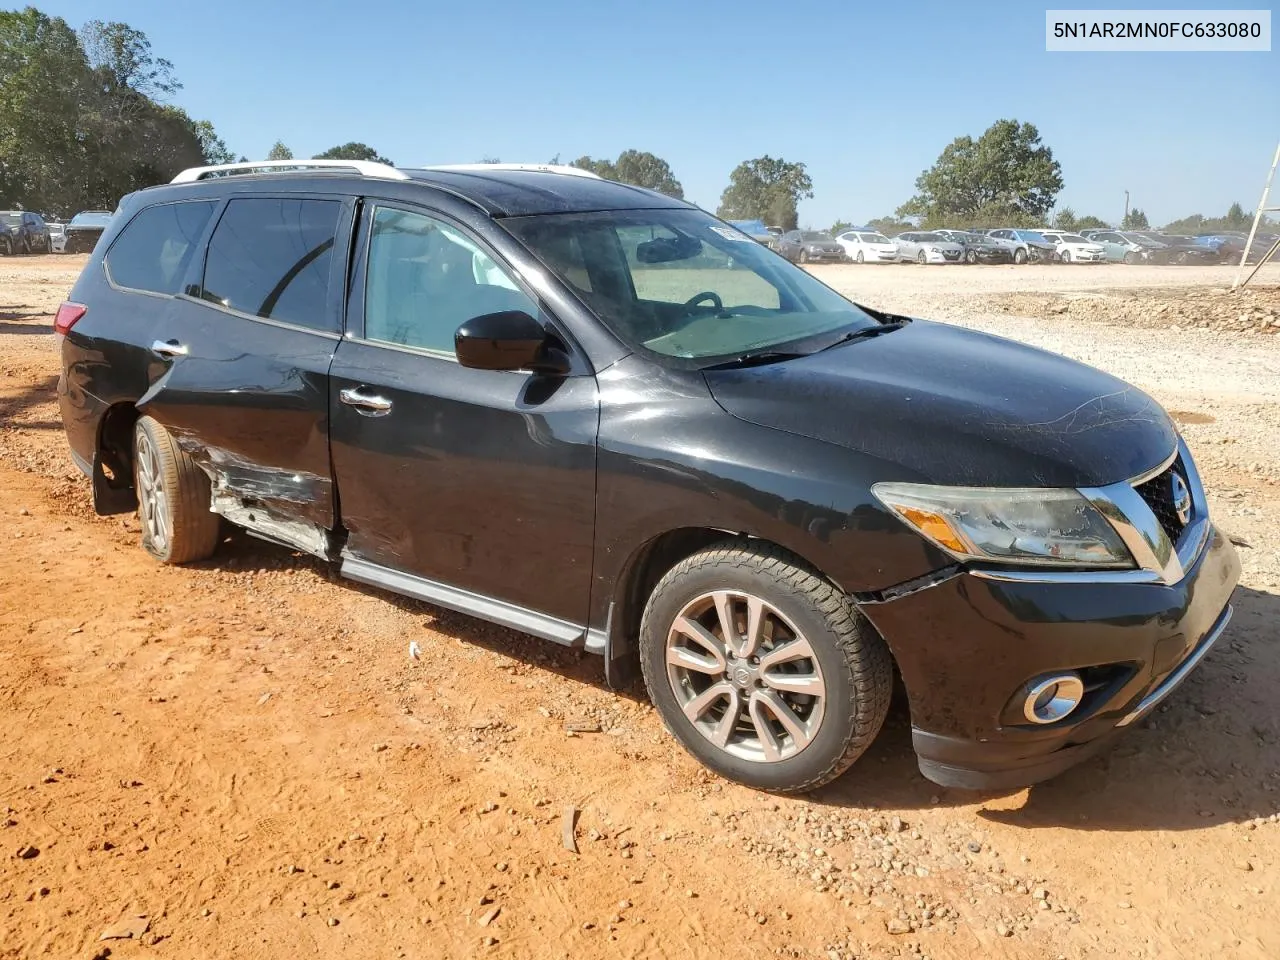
{"type": "Point", "coordinates": [700, 297]}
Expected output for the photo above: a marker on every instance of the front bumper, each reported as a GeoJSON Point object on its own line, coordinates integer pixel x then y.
{"type": "Point", "coordinates": [968, 645]}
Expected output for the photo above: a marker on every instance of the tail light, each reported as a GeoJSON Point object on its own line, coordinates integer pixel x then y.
{"type": "Point", "coordinates": [68, 314]}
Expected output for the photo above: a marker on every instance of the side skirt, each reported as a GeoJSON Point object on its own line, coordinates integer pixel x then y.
{"type": "Point", "coordinates": [475, 604]}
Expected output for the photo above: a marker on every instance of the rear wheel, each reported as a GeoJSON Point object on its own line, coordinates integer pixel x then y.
{"type": "Point", "coordinates": [6, 246]}
{"type": "Point", "coordinates": [173, 498]}
{"type": "Point", "coordinates": [804, 256]}
{"type": "Point", "coordinates": [763, 670]}
{"type": "Point", "coordinates": [860, 258]}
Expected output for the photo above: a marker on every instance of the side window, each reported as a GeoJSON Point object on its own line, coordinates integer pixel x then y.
{"type": "Point", "coordinates": [153, 251]}
{"type": "Point", "coordinates": [271, 258]}
{"type": "Point", "coordinates": [425, 279]}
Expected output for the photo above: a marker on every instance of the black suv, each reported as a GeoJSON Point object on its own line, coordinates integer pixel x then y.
{"type": "Point", "coordinates": [602, 416]}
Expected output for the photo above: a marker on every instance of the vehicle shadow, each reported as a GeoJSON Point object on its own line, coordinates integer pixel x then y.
{"type": "Point", "coordinates": [1210, 754]}
{"type": "Point", "coordinates": [244, 553]}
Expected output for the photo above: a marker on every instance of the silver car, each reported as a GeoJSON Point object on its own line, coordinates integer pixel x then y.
{"type": "Point", "coordinates": [928, 247]}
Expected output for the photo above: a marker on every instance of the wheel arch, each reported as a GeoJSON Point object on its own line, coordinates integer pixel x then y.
{"type": "Point", "coordinates": [646, 565]}
{"type": "Point", "coordinates": [113, 490]}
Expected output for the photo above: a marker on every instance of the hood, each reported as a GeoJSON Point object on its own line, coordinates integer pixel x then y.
{"type": "Point", "coordinates": [959, 407]}
{"type": "Point", "coordinates": [823, 244]}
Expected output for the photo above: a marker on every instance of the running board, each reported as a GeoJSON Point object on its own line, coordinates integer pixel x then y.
{"type": "Point", "coordinates": [475, 604]}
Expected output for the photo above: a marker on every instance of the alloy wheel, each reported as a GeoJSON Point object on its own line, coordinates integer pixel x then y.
{"type": "Point", "coordinates": [745, 677]}
{"type": "Point", "coordinates": [153, 501]}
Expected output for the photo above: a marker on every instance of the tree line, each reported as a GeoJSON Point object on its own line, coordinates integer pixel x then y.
{"type": "Point", "coordinates": [84, 120]}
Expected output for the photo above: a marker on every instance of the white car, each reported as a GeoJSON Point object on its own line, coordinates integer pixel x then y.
{"type": "Point", "coordinates": [1073, 248]}
{"type": "Point", "coordinates": [57, 238]}
{"type": "Point", "coordinates": [926, 247]}
{"type": "Point", "coordinates": [867, 246]}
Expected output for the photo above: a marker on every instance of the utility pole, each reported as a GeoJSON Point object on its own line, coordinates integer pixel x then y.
{"type": "Point", "coordinates": [1126, 209]}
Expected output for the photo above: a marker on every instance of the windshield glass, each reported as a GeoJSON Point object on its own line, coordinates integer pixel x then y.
{"type": "Point", "coordinates": [90, 219]}
{"type": "Point", "coordinates": [874, 238]}
{"type": "Point", "coordinates": [11, 219]}
{"type": "Point", "coordinates": [931, 238]}
{"type": "Point", "coordinates": [1032, 236]}
{"type": "Point", "coordinates": [681, 284]}
{"type": "Point", "coordinates": [1073, 238]}
{"type": "Point", "coordinates": [813, 235]}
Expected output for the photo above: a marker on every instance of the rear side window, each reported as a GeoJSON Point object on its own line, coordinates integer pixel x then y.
{"type": "Point", "coordinates": [271, 258]}
{"type": "Point", "coordinates": [153, 251]}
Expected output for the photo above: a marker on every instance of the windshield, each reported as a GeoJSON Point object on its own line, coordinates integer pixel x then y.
{"type": "Point", "coordinates": [1072, 238]}
{"type": "Point", "coordinates": [90, 219]}
{"type": "Point", "coordinates": [874, 238]}
{"type": "Point", "coordinates": [813, 235]}
{"type": "Point", "coordinates": [681, 284]}
{"type": "Point", "coordinates": [11, 219]}
{"type": "Point", "coordinates": [1032, 236]}
{"type": "Point", "coordinates": [931, 238]}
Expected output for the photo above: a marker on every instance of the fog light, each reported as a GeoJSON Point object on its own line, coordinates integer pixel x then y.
{"type": "Point", "coordinates": [1053, 697]}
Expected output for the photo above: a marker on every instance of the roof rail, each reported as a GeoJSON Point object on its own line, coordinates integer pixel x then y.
{"type": "Point", "coordinates": [539, 167]}
{"type": "Point", "coordinates": [365, 168]}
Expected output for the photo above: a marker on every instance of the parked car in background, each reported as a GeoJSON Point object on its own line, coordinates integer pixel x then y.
{"type": "Point", "coordinates": [1024, 245]}
{"type": "Point", "coordinates": [775, 234]}
{"type": "Point", "coordinates": [868, 246]}
{"type": "Point", "coordinates": [755, 229]}
{"type": "Point", "coordinates": [1073, 248]}
{"type": "Point", "coordinates": [810, 246]}
{"type": "Point", "coordinates": [977, 247]}
{"type": "Point", "coordinates": [84, 230]}
{"type": "Point", "coordinates": [926, 246]}
{"type": "Point", "coordinates": [1177, 249]}
{"type": "Point", "coordinates": [1121, 246]}
{"type": "Point", "coordinates": [58, 237]}
{"type": "Point", "coordinates": [772, 503]}
{"type": "Point", "coordinates": [28, 233]}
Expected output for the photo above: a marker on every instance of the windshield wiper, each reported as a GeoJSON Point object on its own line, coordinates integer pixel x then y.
{"type": "Point", "coordinates": [866, 333]}
{"type": "Point", "coordinates": [755, 359]}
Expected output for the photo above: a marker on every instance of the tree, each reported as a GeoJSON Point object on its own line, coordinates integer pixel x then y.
{"type": "Point", "coordinates": [1236, 218]}
{"type": "Point", "coordinates": [889, 226]}
{"type": "Point", "coordinates": [1092, 223]}
{"type": "Point", "coordinates": [211, 145]}
{"type": "Point", "coordinates": [840, 226]}
{"type": "Point", "coordinates": [1066, 220]}
{"type": "Point", "coordinates": [1196, 223]}
{"type": "Point", "coordinates": [636, 167]}
{"type": "Point", "coordinates": [768, 189]}
{"type": "Point", "coordinates": [349, 151]}
{"type": "Point", "coordinates": [1006, 174]}
{"type": "Point", "coordinates": [122, 56]}
{"type": "Point", "coordinates": [279, 151]}
{"type": "Point", "coordinates": [490, 160]}
{"type": "Point", "coordinates": [1135, 219]}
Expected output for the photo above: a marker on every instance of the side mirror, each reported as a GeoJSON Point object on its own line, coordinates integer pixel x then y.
{"type": "Point", "coordinates": [508, 340]}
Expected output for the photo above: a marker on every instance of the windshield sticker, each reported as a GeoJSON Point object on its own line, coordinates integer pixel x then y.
{"type": "Point", "coordinates": [731, 234]}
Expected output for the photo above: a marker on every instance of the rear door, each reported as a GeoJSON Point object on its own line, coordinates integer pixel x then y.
{"type": "Point", "coordinates": [241, 365]}
{"type": "Point", "coordinates": [471, 488]}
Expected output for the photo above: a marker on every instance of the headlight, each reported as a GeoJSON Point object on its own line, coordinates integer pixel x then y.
{"type": "Point", "coordinates": [935, 249]}
{"type": "Point", "coordinates": [1043, 527]}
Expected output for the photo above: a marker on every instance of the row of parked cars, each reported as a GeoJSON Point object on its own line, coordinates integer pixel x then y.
{"type": "Point", "coordinates": [22, 231]}
{"type": "Point", "coordinates": [1005, 245]}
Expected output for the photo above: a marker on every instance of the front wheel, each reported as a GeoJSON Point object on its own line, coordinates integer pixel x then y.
{"type": "Point", "coordinates": [1065, 256]}
{"type": "Point", "coordinates": [804, 256]}
{"type": "Point", "coordinates": [970, 257]}
{"type": "Point", "coordinates": [173, 498]}
{"type": "Point", "coordinates": [860, 258]}
{"type": "Point", "coordinates": [1020, 256]}
{"type": "Point", "coordinates": [1131, 258]}
{"type": "Point", "coordinates": [763, 670]}
{"type": "Point", "coordinates": [921, 258]}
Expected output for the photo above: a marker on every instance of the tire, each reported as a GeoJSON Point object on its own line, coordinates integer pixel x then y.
{"type": "Point", "coordinates": [1065, 256]}
{"type": "Point", "coordinates": [1020, 256]}
{"type": "Point", "coordinates": [6, 245]}
{"type": "Point", "coordinates": [860, 258]}
{"type": "Point", "coordinates": [1130, 257]}
{"type": "Point", "coordinates": [26, 246]}
{"type": "Point", "coordinates": [970, 257]}
{"type": "Point", "coordinates": [847, 658]}
{"type": "Point", "coordinates": [173, 498]}
{"type": "Point", "coordinates": [921, 258]}
{"type": "Point", "coordinates": [804, 256]}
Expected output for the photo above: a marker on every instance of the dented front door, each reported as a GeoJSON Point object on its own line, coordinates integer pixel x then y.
{"type": "Point", "coordinates": [247, 395]}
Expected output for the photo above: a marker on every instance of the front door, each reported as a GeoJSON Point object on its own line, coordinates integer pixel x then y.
{"type": "Point", "coordinates": [459, 485]}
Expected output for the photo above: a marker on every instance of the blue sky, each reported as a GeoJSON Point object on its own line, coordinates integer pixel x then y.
{"type": "Point", "coordinates": [866, 95]}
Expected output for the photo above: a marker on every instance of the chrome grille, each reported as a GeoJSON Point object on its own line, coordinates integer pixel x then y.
{"type": "Point", "coordinates": [1158, 494]}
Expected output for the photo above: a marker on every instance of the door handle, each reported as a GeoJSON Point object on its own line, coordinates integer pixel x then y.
{"type": "Point", "coordinates": [370, 406]}
{"type": "Point", "coordinates": [169, 348]}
